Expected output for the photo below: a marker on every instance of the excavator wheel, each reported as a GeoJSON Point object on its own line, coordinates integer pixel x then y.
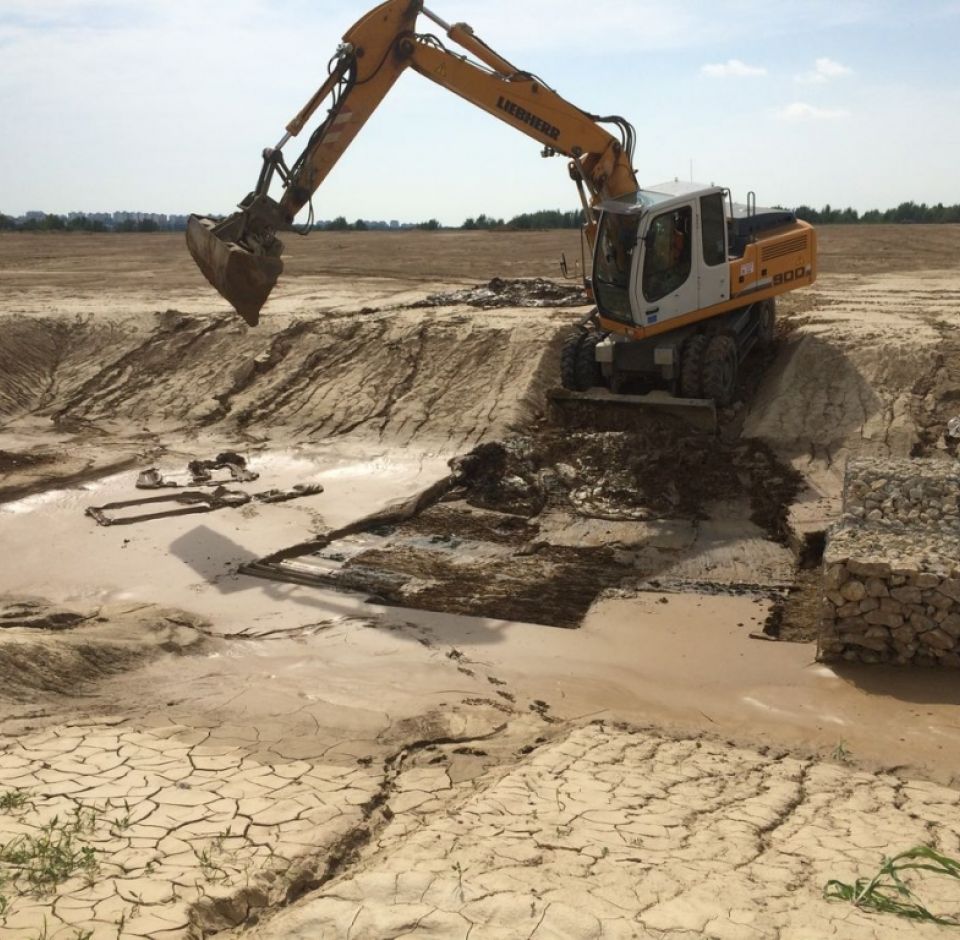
{"type": "Point", "coordinates": [720, 369]}
{"type": "Point", "coordinates": [691, 367]}
{"type": "Point", "coordinates": [767, 322]}
{"type": "Point", "coordinates": [578, 365]}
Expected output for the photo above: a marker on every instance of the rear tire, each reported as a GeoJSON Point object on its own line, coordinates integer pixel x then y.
{"type": "Point", "coordinates": [767, 322]}
{"type": "Point", "coordinates": [579, 369]}
{"type": "Point", "coordinates": [720, 369]}
{"type": "Point", "coordinates": [691, 367]}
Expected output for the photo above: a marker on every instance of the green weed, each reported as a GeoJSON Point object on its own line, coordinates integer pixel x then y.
{"type": "Point", "coordinates": [886, 892]}
{"type": "Point", "coordinates": [209, 868]}
{"type": "Point", "coordinates": [77, 934]}
{"type": "Point", "coordinates": [122, 823]}
{"type": "Point", "coordinates": [53, 855]}
{"type": "Point", "coordinates": [12, 799]}
{"type": "Point", "coordinates": [841, 753]}
{"type": "Point", "coordinates": [83, 821]}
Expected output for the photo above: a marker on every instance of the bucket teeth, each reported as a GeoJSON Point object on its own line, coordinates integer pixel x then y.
{"type": "Point", "coordinates": [242, 277]}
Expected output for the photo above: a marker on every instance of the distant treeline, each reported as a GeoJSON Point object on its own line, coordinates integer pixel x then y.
{"type": "Point", "coordinates": [905, 213]}
{"type": "Point", "coordinates": [340, 224]}
{"type": "Point", "coordinates": [544, 219]}
{"type": "Point", "coordinates": [80, 223]}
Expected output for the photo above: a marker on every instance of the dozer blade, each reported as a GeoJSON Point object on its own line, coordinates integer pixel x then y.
{"type": "Point", "coordinates": [601, 410]}
{"type": "Point", "coordinates": [244, 279]}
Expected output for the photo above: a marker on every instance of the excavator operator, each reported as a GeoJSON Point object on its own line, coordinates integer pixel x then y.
{"type": "Point", "coordinates": [679, 247]}
{"type": "Point", "coordinates": [667, 264]}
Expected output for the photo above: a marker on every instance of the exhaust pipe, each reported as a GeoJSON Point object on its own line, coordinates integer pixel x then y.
{"type": "Point", "coordinates": [242, 265]}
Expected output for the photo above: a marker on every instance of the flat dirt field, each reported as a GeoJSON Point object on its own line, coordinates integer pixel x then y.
{"type": "Point", "coordinates": [329, 629]}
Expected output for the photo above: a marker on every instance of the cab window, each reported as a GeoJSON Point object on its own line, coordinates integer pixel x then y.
{"type": "Point", "coordinates": [666, 263]}
{"type": "Point", "coordinates": [713, 223]}
{"type": "Point", "coordinates": [612, 264]}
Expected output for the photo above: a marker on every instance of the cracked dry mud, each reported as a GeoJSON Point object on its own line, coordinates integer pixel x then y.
{"type": "Point", "coordinates": [610, 832]}
{"type": "Point", "coordinates": [186, 833]}
{"type": "Point", "coordinates": [246, 757]}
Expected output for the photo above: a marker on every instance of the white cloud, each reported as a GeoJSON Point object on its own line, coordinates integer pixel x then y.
{"type": "Point", "coordinates": [823, 71]}
{"type": "Point", "coordinates": [732, 67]}
{"type": "Point", "coordinates": [801, 111]}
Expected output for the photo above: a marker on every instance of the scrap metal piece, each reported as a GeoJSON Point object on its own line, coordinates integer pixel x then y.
{"type": "Point", "coordinates": [153, 479]}
{"type": "Point", "coordinates": [201, 473]}
{"type": "Point", "coordinates": [295, 492]}
{"type": "Point", "coordinates": [200, 470]}
{"type": "Point", "coordinates": [187, 502]}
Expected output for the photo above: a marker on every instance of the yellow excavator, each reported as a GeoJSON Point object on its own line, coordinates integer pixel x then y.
{"type": "Point", "coordinates": [683, 279]}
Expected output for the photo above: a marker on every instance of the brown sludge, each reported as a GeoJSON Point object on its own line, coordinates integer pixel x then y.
{"type": "Point", "coordinates": [386, 734]}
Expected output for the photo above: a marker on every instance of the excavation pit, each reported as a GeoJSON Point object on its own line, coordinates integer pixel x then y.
{"type": "Point", "coordinates": [314, 720]}
{"type": "Point", "coordinates": [538, 528]}
{"type": "Point", "coordinates": [456, 559]}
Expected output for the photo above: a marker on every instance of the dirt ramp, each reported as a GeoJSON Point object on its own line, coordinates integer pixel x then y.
{"type": "Point", "coordinates": [865, 369]}
{"type": "Point", "coordinates": [446, 378]}
{"type": "Point", "coordinates": [824, 399]}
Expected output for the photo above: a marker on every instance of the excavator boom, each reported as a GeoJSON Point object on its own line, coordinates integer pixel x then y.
{"type": "Point", "coordinates": [240, 255]}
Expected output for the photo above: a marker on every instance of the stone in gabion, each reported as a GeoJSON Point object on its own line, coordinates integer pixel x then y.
{"type": "Point", "coordinates": [892, 565]}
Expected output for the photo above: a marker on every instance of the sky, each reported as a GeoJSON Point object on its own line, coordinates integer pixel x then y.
{"type": "Point", "coordinates": [166, 105]}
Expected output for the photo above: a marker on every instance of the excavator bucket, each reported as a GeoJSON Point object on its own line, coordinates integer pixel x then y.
{"type": "Point", "coordinates": [242, 277]}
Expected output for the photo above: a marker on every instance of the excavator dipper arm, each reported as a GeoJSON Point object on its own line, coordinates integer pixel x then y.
{"type": "Point", "coordinates": [240, 255]}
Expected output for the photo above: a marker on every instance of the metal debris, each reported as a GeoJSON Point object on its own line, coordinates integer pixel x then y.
{"type": "Point", "coordinates": [186, 503]}
{"type": "Point", "coordinates": [295, 492]}
{"type": "Point", "coordinates": [201, 473]}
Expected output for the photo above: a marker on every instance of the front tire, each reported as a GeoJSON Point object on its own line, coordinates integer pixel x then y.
{"type": "Point", "coordinates": [579, 369]}
{"type": "Point", "coordinates": [766, 322]}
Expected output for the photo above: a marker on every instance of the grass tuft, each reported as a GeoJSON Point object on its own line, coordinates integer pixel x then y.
{"type": "Point", "coordinates": [841, 753]}
{"type": "Point", "coordinates": [12, 799]}
{"type": "Point", "coordinates": [886, 892]}
{"type": "Point", "coordinates": [44, 860]}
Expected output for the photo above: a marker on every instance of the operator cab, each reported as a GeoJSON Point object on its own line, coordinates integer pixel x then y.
{"type": "Point", "coordinates": [661, 253]}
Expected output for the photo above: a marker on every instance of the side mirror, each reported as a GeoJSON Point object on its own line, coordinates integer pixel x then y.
{"type": "Point", "coordinates": [564, 268]}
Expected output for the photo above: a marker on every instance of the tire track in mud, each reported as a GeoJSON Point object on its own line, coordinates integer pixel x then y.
{"type": "Point", "coordinates": [422, 379]}
{"type": "Point", "coordinates": [446, 378]}
{"type": "Point", "coordinates": [291, 390]}
{"type": "Point", "coordinates": [245, 376]}
{"type": "Point", "coordinates": [128, 379]}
